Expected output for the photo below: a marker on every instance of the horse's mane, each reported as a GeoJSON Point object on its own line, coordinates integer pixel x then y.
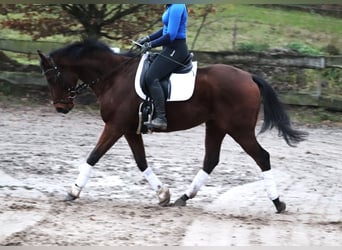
{"type": "Point", "coordinates": [82, 48]}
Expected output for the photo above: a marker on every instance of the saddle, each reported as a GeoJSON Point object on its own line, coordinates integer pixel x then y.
{"type": "Point", "coordinates": [146, 108]}
{"type": "Point", "coordinates": [165, 83]}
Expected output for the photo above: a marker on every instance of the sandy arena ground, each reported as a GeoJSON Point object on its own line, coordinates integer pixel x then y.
{"type": "Point", "coordinates": [41, 149]}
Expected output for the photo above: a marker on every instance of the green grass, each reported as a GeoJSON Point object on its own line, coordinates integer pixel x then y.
{"type": "Point", "coordinates": [314, 116]}
{"type": "Point", "coordinates": [281, 18]}
{"type": "Point", "coordinates": [277, 28]}
{"type": "Point", "coordinates": [21, 58]}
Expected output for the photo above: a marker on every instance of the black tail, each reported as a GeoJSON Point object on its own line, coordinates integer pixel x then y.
{"type": "Point", "coordinates": [276, 116]}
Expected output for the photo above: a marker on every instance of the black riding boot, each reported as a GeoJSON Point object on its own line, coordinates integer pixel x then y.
{"type": "Point", "coordinates": [158, 98]}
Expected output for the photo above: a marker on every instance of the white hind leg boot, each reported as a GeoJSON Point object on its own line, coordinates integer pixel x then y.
{"type": "Point", "coordinates": [270, 184]}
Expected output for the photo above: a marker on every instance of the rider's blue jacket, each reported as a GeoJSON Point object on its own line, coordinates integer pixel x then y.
{"type": "Point", "coordinates": [175, 20]}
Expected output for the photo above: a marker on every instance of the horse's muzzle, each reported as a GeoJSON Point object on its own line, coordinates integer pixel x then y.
{"type": "Point", "coordinates": [63, 108]}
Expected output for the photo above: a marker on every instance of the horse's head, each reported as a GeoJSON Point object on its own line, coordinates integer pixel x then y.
{"type": "Point", "coordinates": [62, 82]}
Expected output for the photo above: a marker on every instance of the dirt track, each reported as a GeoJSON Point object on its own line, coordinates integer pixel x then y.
{"type": "Point", "coordinates": [41, 149]}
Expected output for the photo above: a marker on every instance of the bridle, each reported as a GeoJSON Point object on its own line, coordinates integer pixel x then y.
{"type": "Point", "coordinates": [72, 91]}
{"type": "Point", "coordinates": [75, 90]}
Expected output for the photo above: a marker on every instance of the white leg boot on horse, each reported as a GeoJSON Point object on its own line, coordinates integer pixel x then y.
{"type": "Point", "coordinates": [82, 179]}
{"type": "Point", "coordinates": [271, 190]}
{"type": "Point", "coordinates": [200, 180]}
{"type": "Point", "coordinates": [161, 190]}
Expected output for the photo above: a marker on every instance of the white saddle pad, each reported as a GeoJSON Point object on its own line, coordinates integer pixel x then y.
{"type": "Point", "coordinates": [182, 85]}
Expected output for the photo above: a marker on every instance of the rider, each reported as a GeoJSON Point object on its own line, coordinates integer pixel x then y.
{"type": "Point", "coordinates": [173, 39]}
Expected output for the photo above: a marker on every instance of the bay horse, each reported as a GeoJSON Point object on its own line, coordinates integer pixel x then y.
{"type": "Point", "coordinates": [225, 98]}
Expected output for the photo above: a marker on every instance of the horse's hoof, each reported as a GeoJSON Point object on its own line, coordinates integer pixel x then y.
{"type": "Point", "coordinates": [280, 206]}
{"type": "Point", "coordinates": [73, 193]}
{"type": "Point", "coordinates": [164, 196]}
{"type": "Point", "coordinates": [69, 197]}
{"type": "Point", "coordinates": [179, 203]}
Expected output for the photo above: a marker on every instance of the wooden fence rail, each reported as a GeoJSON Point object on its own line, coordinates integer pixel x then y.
{"type": "Point", "coordinates": [276, 59]}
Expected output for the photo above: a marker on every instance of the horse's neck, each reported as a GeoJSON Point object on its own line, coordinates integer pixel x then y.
{"type": "Point", "coordinates": [102, 72]}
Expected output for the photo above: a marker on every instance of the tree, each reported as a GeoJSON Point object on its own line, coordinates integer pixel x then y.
{"type": "Point", "coordinates": [119, 22]}
{"type": "Point", "coordinates": [203, 13]}
{"type": "Point", "coordinates": [112, 21]}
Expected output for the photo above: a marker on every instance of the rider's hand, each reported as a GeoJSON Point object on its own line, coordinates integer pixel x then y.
{"type": "Point", "coordinates": [143, 40]}
{"type": "Point", "coordinates": [146, 47]}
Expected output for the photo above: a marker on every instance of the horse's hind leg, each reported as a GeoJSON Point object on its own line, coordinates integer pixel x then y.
{"type": "Point", "coordinates": [249, 143]}
{"type": "Point", "coordinates": [213, 140]}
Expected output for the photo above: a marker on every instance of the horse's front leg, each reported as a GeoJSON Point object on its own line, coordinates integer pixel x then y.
{"type": "Point", "coordinates": [107, 139]}
{"type": "Point", "coordinates": [137, 146]}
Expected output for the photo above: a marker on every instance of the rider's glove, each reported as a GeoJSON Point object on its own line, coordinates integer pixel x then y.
{"type": "Point", "coordinates": [146, 47]}
{"type": "Point", "coordinates": [143, 40]}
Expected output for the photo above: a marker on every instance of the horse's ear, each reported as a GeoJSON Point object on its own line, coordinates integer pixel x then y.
{"type": "Point", "coordinates": [41, 55]}
{"type": "Point", "coordinates": [43, 58]}
{"type": "Point", "coordinates": [44, 61]}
